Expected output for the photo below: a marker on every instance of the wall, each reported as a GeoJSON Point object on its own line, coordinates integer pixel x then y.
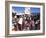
{"type": "Point", "coordinates": [2, 19]}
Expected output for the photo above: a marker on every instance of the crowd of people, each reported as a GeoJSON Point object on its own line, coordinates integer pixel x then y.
{"type": "Point", "coordinates": [25, 22]}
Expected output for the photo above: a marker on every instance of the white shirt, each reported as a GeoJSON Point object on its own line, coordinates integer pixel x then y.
{"type": "Point", "coordinates": [20, 21]}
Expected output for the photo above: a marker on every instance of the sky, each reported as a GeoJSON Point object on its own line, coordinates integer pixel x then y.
{"type": "Point", "coordinates": [21, 9]}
